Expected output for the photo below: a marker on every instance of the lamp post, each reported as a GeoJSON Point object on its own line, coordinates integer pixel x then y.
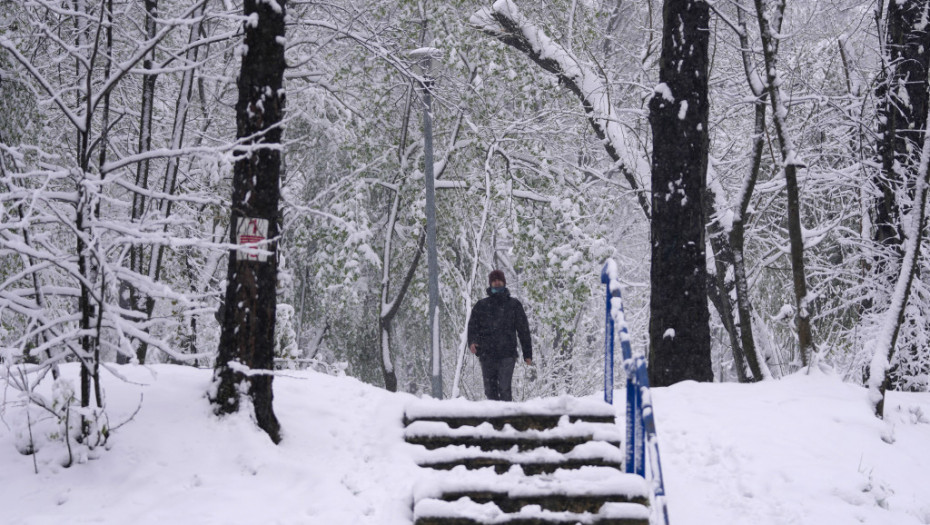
{"type": "Point", "coordinates": [423, 58]}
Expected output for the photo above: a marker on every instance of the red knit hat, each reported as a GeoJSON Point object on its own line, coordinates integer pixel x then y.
{"type": "Point", "coordinates": [497, 275]}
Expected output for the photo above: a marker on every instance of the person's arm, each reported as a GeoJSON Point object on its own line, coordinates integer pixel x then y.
{"type": "Point", "coordinates": [472, 332]}
{"type": "Point", "coordinates": [523, 333]}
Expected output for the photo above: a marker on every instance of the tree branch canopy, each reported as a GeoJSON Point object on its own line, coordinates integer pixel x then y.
{"type": "Point", "coordinates": [506, 23]}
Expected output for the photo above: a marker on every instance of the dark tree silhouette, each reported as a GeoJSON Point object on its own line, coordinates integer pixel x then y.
{"type": "Point", "coordinates": [902, 97]}
{"type": "Point", "coordinates": [679, 332]}
{"type": "Point", "coordinates": [248, 311]}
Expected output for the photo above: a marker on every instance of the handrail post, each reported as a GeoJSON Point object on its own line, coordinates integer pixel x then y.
{"type": "Point", "coordinates": [608, 342]}
{"type": "Point", "coordinates": [652, 439]}
{"type": "Point", "coordinates": [635, 434]}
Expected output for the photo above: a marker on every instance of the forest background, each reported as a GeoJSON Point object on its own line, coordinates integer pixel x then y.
{"type": "Point", "coordinates": [118, 141]}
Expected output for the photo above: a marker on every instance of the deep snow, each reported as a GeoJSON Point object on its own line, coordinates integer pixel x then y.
{"type": "Point", "coordinates": [802, 450]}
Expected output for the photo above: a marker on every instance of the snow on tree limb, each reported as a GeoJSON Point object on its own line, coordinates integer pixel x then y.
{"type": "Point", "coordinates": [56, 96]}
{"type": "Point", "coordinates": [884, 344]}
{"type": "Point", "coordinates": [506, 23]}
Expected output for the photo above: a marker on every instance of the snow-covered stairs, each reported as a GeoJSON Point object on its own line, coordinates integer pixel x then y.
{"type": "Point", "coordinates": [544, 461]}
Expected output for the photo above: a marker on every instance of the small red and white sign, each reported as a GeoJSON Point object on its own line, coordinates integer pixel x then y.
{"type": "Point", "coordinates": [251, 234]}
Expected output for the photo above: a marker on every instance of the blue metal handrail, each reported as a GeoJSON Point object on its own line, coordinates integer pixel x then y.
{"type": "Point", "coordinates": [640, 423]}
{"type": "Point", "coordinates": [608, 342]}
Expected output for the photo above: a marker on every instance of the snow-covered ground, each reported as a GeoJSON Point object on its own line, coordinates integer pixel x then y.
{"type": "Point", "coordinates": [803, 450]}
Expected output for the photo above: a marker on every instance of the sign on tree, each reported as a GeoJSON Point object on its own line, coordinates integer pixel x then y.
{"type": "Point", "coordinates": [251, 234]}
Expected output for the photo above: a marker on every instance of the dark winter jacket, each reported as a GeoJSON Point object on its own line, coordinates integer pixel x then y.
{"type": "Point", "coordinates": [496, 322]}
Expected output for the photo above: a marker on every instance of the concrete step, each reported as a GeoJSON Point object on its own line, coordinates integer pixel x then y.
{"type": "Point", "coordinates": [578, 491]}
{"type": "Point", "coordinates": [531, 468]}
{"type": "Point", "coordinates": [536, 414]}
{"type": "Point", "coordinates": [576, 503]}
{"type": "Point", "coordinates": [522, 443]}
{"type": "Point", "coordinates": [563, 438]}
{"type": "Point", "coordinates": [532, 462]}
{"type": "Point", "coordinates": [516, 421]}
{"type": "Point", "coordinates": [467, 512]}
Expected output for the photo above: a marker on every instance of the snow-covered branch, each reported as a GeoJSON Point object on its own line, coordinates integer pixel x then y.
{"type": "Point", "coordinates": [505, 22]}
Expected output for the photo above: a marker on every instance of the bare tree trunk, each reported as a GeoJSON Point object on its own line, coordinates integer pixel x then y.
{"type": "Point", "coordinates": [679, 330]}
{"type": "Point", "coordinates": [738, 229]}
{"type": "Point", "coordinates": [389, 308]}
{"type": "Point", "coordinates": [121, 358]}
{"type": "Point", "coordinates": [790, 163]}
{"type": "Point", "coordinates": [798, 275]}
{"type": "Point", "coordinates": [880, 370]}
{"type": "Point", "coordinates": [719, 290]}
{"type": "Point", "coordinates": [84, 213]}
{"type": "Point", "coordinates": [137, 252]}
{"type": "Point", "coordinates": [169, 184]}
{"type": "Point", "coordinates": [249, 309]}
{"type": "Point", "coordinates": [737, 243]}
{"type": "Point", "coordinates": [728, 245]}
{"type": "Point", "coordinates": [903, 101]}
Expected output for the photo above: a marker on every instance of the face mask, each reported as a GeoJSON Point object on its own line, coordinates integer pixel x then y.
{"type": "Point", "coordinates": [497, 290]}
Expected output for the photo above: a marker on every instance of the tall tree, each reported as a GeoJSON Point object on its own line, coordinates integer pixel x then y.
{"type": "Point", "coordinates": [679, 331]}
{"type": "Point", "coordinates": [246, 350]}
{"type": "Point", "coordinates": [71, 248]}
{"type": "Point", "coordinates": [769, 25]}
{"type": "Point", "coordinates": [902, 96]}
{"type": "Point", "coordinates": [884, 344]}
{"type": "Point", "coordinates": [136, 252]}
{"type": "Point", "coordinates": [726, 230]}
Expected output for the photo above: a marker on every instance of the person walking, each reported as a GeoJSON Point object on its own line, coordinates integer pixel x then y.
{"type": "Point", "coordinates": [496, 322]}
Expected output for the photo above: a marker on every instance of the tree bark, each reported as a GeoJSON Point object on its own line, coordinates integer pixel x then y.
{"type": "Point", "coordinates": [89, 306]}
{"type": "Point", "coordinates": [738, 230]}
{"type": "Point", "coordinates": [903, 102]}
{"type": "Point", "coordinates": [170, 182]}
{"type": "Point", "coordinates": [790, 162]}
{"type": "Point", "coordinates": [249, 318]}
{"type": "Point", "coordinates": [137, 252]}
{"type": "Point", "coordinates": [719, 290]}
{"type": "Point", "coordinates": [798, 275]}
{"type": "Point", "coordinates": [902, 106]}
{"type": "Point", "coordinates": [880, 370]}
{"type": "Point", "coordinates": [679, 329]}
{"type": "Point", "coordinates": [389, 309]}
{"type": "Point", "coordinates": [728, 246]}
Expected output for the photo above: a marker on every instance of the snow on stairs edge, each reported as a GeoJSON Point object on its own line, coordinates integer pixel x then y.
{"type": "Point", "coordinates": [553, 460]}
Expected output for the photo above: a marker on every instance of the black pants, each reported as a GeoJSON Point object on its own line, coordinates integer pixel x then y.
{"type": "Point", "coordinates": [498, 374]}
